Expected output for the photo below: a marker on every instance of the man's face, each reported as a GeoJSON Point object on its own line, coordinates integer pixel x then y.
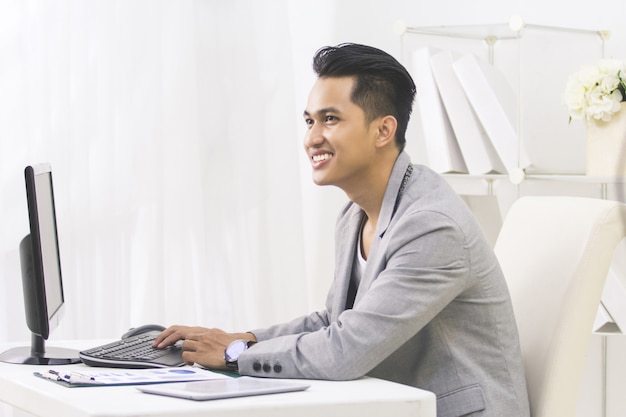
{"type": "Point", "coordinates": [339, 143]}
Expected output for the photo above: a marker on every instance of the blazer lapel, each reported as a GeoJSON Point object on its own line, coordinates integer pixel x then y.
{"type": "Point", "coordinates": [373, 268]}
{"type": "Point", "coordinates": [345, 250]}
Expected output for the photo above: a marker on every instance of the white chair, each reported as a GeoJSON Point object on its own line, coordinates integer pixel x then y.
{"type": "Point", "coordinates": [555, 253]}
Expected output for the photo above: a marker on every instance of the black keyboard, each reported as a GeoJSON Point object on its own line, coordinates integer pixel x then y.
{"type": "Point", "coordinates": [133, 352]}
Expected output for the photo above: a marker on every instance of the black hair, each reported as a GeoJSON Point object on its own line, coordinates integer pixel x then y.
{"type": "Point", "coordinates": [382, 86]}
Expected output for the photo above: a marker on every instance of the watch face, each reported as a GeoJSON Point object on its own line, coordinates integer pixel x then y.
{"type": "Point", "coordinates": [234, 350]}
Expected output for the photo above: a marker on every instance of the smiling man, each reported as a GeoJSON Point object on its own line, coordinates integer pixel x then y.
{"type": "Point", "coordinates": [418, 296]}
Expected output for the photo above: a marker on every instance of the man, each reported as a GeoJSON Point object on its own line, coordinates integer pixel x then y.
{"type": "Point", "coordinates": [418, 295]}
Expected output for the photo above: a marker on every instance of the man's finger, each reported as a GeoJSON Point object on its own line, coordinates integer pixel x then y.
{"type": "Point", "coordinates": [187, 358]}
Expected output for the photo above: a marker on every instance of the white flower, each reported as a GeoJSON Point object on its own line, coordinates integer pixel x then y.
{"type": "Point", "coordinates": [595, 92]}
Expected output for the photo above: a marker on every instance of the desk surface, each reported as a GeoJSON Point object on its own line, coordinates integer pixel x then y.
{"type": "Point", "coordinates": [366, 397]}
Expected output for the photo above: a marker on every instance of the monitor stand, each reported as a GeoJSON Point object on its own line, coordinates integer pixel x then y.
{"type": "Point", "coordinates": [38, 354]}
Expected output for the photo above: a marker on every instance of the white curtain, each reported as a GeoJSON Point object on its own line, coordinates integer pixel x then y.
{"type": "Point", "coordinates": [172, 128]}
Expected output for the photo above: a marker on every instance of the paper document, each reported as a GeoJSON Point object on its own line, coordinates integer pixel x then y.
{"type": "Point", "coordinates": [72, 377]}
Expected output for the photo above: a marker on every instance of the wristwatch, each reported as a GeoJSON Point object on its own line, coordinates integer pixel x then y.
{"type": "Point", "coordinates": [232, 352]}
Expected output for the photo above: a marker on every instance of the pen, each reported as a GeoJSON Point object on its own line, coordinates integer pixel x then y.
{"type": "Point", "coordinates": [72, 377]}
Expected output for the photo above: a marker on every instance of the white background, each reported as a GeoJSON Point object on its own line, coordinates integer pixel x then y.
{"type": "Point", "coordinates": [174, 130]}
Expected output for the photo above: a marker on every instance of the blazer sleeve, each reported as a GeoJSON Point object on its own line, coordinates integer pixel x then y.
{"type": "Point", "coordinates": [304, 324]}
{"type": "Point", "coordinates": [424, 266]}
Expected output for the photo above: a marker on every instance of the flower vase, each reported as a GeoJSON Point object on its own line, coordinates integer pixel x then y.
{"type": "Point", "coordinates": [606, 145]}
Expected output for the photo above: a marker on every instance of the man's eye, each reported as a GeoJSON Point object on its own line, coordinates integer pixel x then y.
{"type": "Point", "coordinates": [309, 122]}
{"type": "Point", "coordinates": [330, 119]}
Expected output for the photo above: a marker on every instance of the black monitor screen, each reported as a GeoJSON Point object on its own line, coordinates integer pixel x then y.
{"type": "Point", "coordinates": [51, 265]}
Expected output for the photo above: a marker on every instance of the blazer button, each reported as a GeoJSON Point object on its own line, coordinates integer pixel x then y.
{"type": "Point", "coordinates": [277, 368]}
{"type": "Point", "coordinates": [256, 366]}
{"type": "Point", "coordinates": [267, 367]}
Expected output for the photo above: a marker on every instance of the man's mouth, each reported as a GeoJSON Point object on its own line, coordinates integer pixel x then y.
{"type": "Point", "coordinates": [322, 157]}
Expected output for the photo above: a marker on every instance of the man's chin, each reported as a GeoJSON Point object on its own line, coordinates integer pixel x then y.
{"type": "Point", "coordinates": [320, 181]}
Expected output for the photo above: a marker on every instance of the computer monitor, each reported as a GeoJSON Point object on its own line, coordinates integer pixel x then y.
{"type": "Point", "coordinates": [42, 282]}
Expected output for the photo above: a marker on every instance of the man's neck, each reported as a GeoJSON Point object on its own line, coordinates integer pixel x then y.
{"type": "Point", "coordinates": [369, 194]}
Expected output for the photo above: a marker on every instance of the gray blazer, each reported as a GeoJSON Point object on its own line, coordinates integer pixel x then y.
{"type": "Point", "coordinates": [432, 309]}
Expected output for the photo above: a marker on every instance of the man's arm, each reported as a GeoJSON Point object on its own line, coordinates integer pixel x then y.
{"type": "Point", "coordinates": [206, 346]}
{"type": "Point", "coordinates": [305, 324]}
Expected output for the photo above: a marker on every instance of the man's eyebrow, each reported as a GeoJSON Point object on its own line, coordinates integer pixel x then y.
{"type": "Point", "coordinates": [325, 110]}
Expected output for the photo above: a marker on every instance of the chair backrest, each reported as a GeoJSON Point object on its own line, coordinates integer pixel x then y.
{"type": "Point", "coordinates": [555, 253]}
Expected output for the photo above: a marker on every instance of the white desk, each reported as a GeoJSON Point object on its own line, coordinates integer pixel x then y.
{"type": "Point", "coordinates": [366, 397]}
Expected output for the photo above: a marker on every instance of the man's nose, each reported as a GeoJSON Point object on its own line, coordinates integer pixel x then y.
{"type": "Point", "coordinates": [313, 137]}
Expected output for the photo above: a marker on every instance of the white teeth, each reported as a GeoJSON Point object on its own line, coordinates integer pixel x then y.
{"type": "Point", "coordinates": [324, 157]}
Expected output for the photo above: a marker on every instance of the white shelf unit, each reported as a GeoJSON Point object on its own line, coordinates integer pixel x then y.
{"type": "Point", "coordinates": [536, 60]}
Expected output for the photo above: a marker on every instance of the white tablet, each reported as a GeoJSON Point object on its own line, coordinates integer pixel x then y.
{"type": "Point", "coordinates": [223, 388]}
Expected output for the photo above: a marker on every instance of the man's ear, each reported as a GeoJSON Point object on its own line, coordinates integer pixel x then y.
{"type": "Point", "coordinates": [387, 127]}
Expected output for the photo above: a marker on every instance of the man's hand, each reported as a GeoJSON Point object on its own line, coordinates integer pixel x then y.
{"type": "Point", "coordinates": [201, 345]}
{"type": "Point", "coordinates": [173, 334]}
